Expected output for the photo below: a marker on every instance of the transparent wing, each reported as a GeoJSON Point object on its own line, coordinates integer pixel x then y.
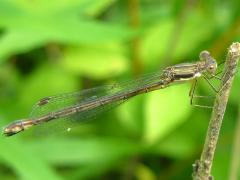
{"type": "Point", "coordinates": [62, 101]}
{"type": "Point", "coordinates": [64, 124]}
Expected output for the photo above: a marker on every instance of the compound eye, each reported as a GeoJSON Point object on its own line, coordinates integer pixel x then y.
{"type": "Point", "coordinates": [211, 67]}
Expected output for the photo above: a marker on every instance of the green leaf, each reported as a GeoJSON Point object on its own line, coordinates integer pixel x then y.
{"type": "Point", "coordinates": [180, 146]}
{"type": "Point", "coordinates": [144, 172]}
{"type": "Point", "coordinates": [46, 81]}
{"type": "Point", "coordinates": [9, 10]}
{"type": "Point", "coordinates": [131, 115]}
{"type": "Point", "coordinates": [98, 7]}
{"type": "Point", "coordinates": [27, 30]}
{"type": "Point", "coordinates": [45, 7]}
{"type": "Point", "coordinates": [154, 42]}
{"type": "Point", "coordinates": [191, 34]}
{"type": "Point", "coordinates": [186, 139]}
{"type": "Point", "coordinates": [88, 151]}
{"type": "Point", "coordinates": [165, 110]}
{"type": "Point", "coordinates": [234, 96]}
{"type": "Point", "coordinates": [97, 62]}
{"type": "Point", "coordinates": [92, 171]}
{"type": "Point", "coordinates": [16, 41]}
{"type": "Point", "coordinates": [24, 161]}
{"type": "Point", "coordinates": [194, 33]}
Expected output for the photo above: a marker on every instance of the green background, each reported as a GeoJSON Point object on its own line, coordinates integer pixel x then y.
{"type": "Point", "coordinates": [50, 47]}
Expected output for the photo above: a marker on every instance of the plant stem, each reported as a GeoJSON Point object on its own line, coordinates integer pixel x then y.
{"type": "Point", "coordinates": [134, 16]}
{"type": "Point", "coordinates": [202, 167]}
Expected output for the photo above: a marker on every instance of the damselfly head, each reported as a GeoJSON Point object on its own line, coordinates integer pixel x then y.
{"type": "Point", "coordinates": [211, 66]}
{"type": "Point", "coordinates": [13, 128]}
{"type": "Point", "coordinates": [209, 62]}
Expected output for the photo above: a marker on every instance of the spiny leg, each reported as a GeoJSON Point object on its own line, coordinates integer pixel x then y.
{"type": "Point", "coordinates": [192, 90]}
{"type": "Point", "coordinates": [193, 87]}
{"type": "Point", "coordinates": [191, 94]}
{"type": "Point", "coordinates": [212, 86]}
{"type": "Point", "coordinates": [216, 77]}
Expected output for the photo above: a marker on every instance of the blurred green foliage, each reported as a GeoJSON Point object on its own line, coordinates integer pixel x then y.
{"type": "Point", "coordinates": [52, 47]}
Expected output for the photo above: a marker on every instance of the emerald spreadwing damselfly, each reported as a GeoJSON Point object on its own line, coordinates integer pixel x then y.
{"type": "Point", "coordinates": [90, 102]}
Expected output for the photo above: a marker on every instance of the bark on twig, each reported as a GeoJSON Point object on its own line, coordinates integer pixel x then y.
{"type": "Point", "coordinates": [202, 167]}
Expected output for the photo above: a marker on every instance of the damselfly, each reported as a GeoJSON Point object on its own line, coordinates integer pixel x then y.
{"type": "Point", "coordinates": [88, 103]}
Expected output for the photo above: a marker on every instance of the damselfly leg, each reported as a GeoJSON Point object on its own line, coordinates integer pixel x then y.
{"type": "Point", "coordinates": [207, 78]}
